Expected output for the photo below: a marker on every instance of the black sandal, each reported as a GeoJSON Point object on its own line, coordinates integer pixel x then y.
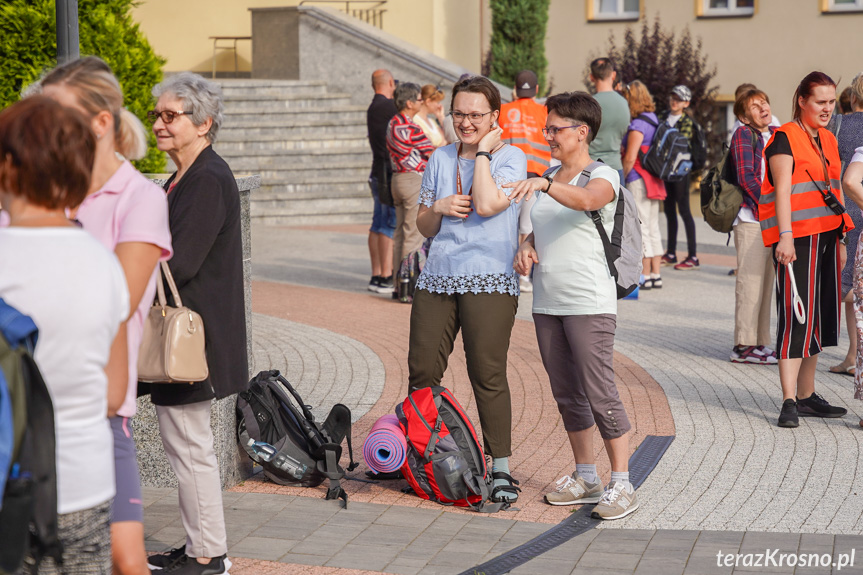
{"type": "Point", "coordinates": [511, 488]}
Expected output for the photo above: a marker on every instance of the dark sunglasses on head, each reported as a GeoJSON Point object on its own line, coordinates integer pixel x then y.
{"type": "Point", "coordinates": [167, 115]}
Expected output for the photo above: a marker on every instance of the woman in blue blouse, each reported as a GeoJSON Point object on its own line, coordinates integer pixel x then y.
{"type": "Point", "coordinates": [468, 282]}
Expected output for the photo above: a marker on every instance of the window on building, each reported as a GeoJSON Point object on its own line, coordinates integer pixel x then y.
{"type": "Point", "coordinates": [714, 8]}
{"type": "Point", "coordinates": [841, 5]}
{"type": "Point", "coordinates": [613, 9]}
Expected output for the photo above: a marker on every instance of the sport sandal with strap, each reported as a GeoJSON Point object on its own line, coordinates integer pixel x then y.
{"type": "Point", "coordinates": [510, 489]}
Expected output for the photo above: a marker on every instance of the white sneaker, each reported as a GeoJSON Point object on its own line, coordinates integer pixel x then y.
{"type": "Point", "coordinates": [574, 492]}
{"type": "Point", "coordinates": [524, 284]}
{"type": "Point", "coordinates": [615, 503]}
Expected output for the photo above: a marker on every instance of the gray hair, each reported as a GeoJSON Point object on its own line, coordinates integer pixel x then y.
{"type": "Point", "coordinates": [200, 96]}
{"type": "Point", "coordinates": [405, 92]}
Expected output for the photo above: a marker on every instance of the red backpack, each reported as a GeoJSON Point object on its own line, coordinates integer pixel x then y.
{"type": "Point", "coordinates": [445, 461]}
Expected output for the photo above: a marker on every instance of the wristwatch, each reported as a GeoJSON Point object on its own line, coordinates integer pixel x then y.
{"type": "Point", "coordinates": [486, 154]}
{"type": "Point", "coordinates": [550, 181]}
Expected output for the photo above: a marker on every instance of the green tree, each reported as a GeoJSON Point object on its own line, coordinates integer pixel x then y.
{"type": "Point", "coordinates": [28, 47]}
{"type": "Point", "coordinates": [662, 60]}
{"type": "Point", "coordinates": [517, 40]}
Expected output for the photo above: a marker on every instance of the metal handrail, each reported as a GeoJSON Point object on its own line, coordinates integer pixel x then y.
{"type": "Point", "coordinates": [373, 15]}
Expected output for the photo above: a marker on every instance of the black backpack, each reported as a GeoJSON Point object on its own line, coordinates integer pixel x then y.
{"type": "Point", "coordinates": [28, 516]}
{"type": "Point", "coordinates": [279, 432]}
{"type": "Point", "coordinates": [698, 147]}
{"type": "Point", "coordinates": [668, 156]}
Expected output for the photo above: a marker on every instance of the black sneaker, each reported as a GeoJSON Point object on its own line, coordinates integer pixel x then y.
{"type": "Point", "coordinates": [186, 565]}
{"type": "Point", "coordinates": [788, 415]}
{"type": "Point", "coordinates": [163, 560]}
{"type": "Point", "coordinates": [375, 283]}
{"type": "Point", "coordinates": [817, 406]}
{"type": "Point", "coordinates": [385, 284]}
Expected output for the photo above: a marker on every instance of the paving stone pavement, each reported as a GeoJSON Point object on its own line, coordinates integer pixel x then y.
{"type": "Point", "coordinates": [731, 482]}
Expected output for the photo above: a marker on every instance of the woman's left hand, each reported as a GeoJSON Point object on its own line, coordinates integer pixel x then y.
{"type": "Point", "coordinates": [525, 257]}
{"type": "Point", "coordinates": [843, 255]}
{"type": "Point", "coordinates": [490, 141]}
{"type": "Point", "coordinates": [524, 189]}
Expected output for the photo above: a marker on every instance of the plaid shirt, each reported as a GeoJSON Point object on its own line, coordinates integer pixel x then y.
{"type": "Point", "coordinates": [747, 164]}
{"type": "Point", "coordinates": [408, 145]}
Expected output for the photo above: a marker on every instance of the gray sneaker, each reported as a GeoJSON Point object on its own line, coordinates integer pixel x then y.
{"type": "Point", "coordinates": [574, 492]}
{"type": "Point", "coordinates": [615, 503]}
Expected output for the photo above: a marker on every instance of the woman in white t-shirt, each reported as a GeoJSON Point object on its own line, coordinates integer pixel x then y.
{"type": "Point", "coordinates": [852, 186]}
{"type": "Point", "coordinates": [75, 291]}
{"type": "Point", "coordinates": [754, 278]}
{"type": "Point", "coordinates": [575, 303]}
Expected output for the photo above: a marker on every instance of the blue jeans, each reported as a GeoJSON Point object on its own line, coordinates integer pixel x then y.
{"type": "Point", "coordinates": [384, 217]}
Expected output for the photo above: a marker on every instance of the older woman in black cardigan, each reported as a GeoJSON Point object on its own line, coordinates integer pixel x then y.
{"type": "Point", "coordinates": [204, 213]}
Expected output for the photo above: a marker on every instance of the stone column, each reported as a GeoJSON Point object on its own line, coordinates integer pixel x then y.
{"type": "Point", "coordinates": [234, 466]}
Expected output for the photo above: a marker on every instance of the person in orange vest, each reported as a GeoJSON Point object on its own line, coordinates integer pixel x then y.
{"type": "Point", "coordinates": [803, 220]}
{"type": "Point", "coordinates": [522, 121]}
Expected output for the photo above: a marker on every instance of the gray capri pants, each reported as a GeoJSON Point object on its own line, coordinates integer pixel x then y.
{"type": "Point", "coordinates": [577, 352]}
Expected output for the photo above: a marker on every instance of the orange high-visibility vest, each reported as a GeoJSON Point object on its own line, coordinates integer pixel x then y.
{"type": "Point", "coordinates": [522, 122]}
{"type": "Point", "coordinates": [809, 214]}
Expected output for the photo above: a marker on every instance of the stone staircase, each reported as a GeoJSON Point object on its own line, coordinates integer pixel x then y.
{"type": "Point", "coordinates": [309, 145]}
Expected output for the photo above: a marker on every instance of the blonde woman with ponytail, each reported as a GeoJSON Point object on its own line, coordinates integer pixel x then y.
{"type": "Point", "coordinates": [128, 214]}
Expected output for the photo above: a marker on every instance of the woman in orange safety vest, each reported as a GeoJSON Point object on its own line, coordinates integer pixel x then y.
{"type": "Point", "coordinates": [806, 233]}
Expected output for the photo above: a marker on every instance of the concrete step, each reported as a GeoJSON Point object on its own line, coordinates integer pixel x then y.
{"type": "Point", "coordinates": [292, 191]}
{"type": "Point", "coordinates": [271, 103]}
{"type": "Point", "coordinates": [232, 88]}
{"type": "Point", "coordinates": [317, 129]}
{"type": "Point", "coordinates": [269, 158]}
{"type": "Point", "coordinates": [315, 219]}
{"type": "Point", "coordinates": [358, 172]}
{"type": "Point", "coordinates": [289, 117]}
{"type": "Point", "coordinates": [240, 143]}
{"type": "Point", "coordinates": [295, 209]}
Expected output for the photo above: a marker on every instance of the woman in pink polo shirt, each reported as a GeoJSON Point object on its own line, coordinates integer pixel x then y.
{"type": "Point", "coordinates": [129, 215]}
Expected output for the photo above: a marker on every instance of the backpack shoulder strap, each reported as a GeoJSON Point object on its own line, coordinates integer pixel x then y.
{"type": "Point", "coordinates": [647, 119]}
{"type": "Point", "coordinates": [597, 219]}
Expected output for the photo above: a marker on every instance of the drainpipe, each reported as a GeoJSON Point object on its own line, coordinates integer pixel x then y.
{"type": "Point", "coordinates": [67, 31]}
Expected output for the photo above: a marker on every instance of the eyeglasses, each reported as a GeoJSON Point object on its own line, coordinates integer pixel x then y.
{"type": "Point", "coordinates": [475, 117]}
{"type": "Point", "coordinates": [546, 132]}
{"type": "Point", "coordinates": [166, 115]}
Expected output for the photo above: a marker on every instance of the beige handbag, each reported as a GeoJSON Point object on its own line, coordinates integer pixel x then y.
{"type": "Point", "coordinates": [172, 349]}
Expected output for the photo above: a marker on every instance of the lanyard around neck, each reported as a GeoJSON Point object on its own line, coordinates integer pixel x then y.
{"type": "Point", "coordinates": [820, 151]}
{"type": "Point", "coordinates": [458, 171]}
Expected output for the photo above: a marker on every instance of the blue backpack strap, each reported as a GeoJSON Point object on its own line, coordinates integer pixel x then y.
{"type": "Point", "coordinates": [17, 328]}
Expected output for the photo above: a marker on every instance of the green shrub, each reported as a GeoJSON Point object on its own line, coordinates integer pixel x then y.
{"type": "Point", "coordinates": [517, 40]}
{"type": "Point", "coordinates": [28, 47]}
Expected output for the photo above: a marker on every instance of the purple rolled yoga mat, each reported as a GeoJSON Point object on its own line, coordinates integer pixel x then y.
{"type": "Point", "coordinates": [385, 448]}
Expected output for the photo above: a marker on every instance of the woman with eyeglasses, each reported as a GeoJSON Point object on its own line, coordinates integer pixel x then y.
{"type": "Point", "coordinates": [647, 189]}
{"type": "Point", "coordinates": [575, 303]}
{"type": "Point", "coordinates": [468, 282]}
{"type": "Point", "coordinates": [128, 214]}
{"type": "Point", "coordinates": [204, 213]}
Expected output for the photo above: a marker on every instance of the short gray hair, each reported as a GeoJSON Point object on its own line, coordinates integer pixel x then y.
{"type": "Point", "coordinates": [405, 92]}
{"type": "Point", "coordinates": [200, 96]}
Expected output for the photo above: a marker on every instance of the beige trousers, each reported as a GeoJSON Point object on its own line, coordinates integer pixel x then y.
{"type": "Point", "coordinates": [648, 213]}
{"type": "Point", "coordinates": [188, 441]}
{"type": "Point", "coordinates": [406, 194]}
{"type": "Point", "coordinates": [754, 286]}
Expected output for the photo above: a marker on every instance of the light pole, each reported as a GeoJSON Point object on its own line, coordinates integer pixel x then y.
{"type": "Point", "coordinates": [67, 31]}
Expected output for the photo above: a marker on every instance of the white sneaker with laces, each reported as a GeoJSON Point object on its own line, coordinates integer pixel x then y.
{"type": "Point", "coordinates": [576, 491]}
{"type": "Point", "coordinates": [615, 503]}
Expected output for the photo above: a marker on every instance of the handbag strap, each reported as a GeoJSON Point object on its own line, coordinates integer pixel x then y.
{"type": "Point", "coordinates": [165, 271]}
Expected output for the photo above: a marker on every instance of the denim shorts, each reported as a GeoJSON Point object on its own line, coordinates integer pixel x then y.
{"type": "Point", "coordinates": [384, 217]}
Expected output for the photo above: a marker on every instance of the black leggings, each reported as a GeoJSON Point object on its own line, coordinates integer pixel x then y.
{"type": "Point", "coordinates": [678, 200]}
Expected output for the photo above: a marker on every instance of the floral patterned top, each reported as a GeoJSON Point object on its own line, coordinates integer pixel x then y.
{"type": "Point", "coordinates": [474, 254]}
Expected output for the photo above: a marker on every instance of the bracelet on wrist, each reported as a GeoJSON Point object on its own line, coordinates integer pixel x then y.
{"type": "Point", "coordinates": [784, 232]}
{"type": "Point", "coordinates": [484, 155]}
